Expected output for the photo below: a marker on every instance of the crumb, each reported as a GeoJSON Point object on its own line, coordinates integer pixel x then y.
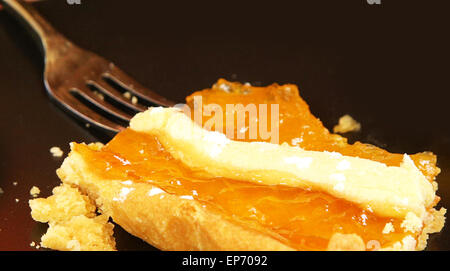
{"type": "Point", "coordinates": [100, 95]}
{"type": "Point", "coordinates": [87, 125]}
{"type": "Point", "coordinates": [73, 222]}
{"type": "Point", "coordinates": [225, 87]}
{"type": "Point", "coordinates": [34, 191]}
{"type": "Point", "coordinates": [435, 186]}
{"type": "Point", "coordinates": [32, 244]}
{"type": "Point", "coordinates": [127, 95]}
{"type": "Point", "coordinates": [347, 124]}
{"type": "Point", "coordinates": [80, 233]}
{"type": "Point", "coordinates": [1, 191]}
{"type": "Point", "coordinates": [409, 243]}
{"type": "Point", "coordinates": [412, 223]}
{"type": "Point", "coordinates": [96, 145]}
{"type": "Point", "coordinates": [56, 152]}
{"type": "Point", "coordinates": [15, 183]}
{"type": "Point", "coordinates": [38, 247]}
{"type": "Point", "coordinates": [17, 200]}
{"type": "Point", "coordinates": [66, 201]}
{"type": "Point", "coordinates": [134, 100]}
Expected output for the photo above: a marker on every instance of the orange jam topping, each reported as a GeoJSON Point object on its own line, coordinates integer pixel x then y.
{"type": "Point", "coordinates": [304, 220]}
{"type": "Point", "coordinates": [297, 126]}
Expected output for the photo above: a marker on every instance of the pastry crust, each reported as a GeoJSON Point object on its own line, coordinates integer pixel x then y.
{"type": "Point", "coordinates": [174, 222]}
{"type": "Point", "coordinates": [171, 222]}
{"type": "Point", "coordinates": [434, 222]}
{"type": "Point", "coordinates": [346, 242]}
{"type": "Point", "coordinates": [165, 221]}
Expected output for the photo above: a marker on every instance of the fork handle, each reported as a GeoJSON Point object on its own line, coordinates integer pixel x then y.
{"type": "Point", "coordinates": [29, 16]}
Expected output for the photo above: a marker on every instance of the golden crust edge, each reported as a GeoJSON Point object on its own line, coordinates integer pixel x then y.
{"type": "Point", "coordinates": [204, 223]}
{"type": "Point", "coordinates": [170, 223]}
{"type": "Point", "coordinates": [433, 223]}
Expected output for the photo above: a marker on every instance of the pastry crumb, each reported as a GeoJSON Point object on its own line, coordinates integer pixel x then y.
{"type": "Point", "coordinates": [80, 233]}
{"type": "Point", "coordinates": [34, 191]}
{"type": "Point", "coordinates": [127, 95]}
{"type": "Point", "coordinates": [388, 228]}
{"type": "Point", "coordinates": [73, 222]}
{"type": "Point", "coordinates": [15, 183]}
{"type": "Point", "coordinates": [409, 243]}
{"type": "Point", "coordinates": [17, 200]}
{"type": "Point", "coordinates": [1, 191]}
{"type": "Point", "coordinates": [412, 223]}
{"type": "Point", "coordinates": [99, 95]}
{"type": "Point", "coordinates": [66, 201]}
{"type": "Point", "coordinates": [56, 151]}
{"type": "Point", "coordinates": [134, 100]}
{"type": "Point", "coordinates": [32, 244]}
{"type": "Point", "coordinates": [225, 87]}
{"type": "Point", "coordinates": [96, 145]}
{"type": "Point", "coordinates": [347, 124]}
{"type": "Point", "coordinates": [435, 186]}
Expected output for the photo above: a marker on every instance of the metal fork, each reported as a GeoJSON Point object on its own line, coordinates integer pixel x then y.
{"type": "Point", "coordinates": [83, 83]}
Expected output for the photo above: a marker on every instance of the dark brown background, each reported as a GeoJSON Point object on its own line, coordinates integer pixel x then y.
{"type": "Point", "coordinates": [385, 65]}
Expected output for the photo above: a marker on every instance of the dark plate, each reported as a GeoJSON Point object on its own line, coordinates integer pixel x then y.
{"type": "Point", "coordinates": [385, 65]}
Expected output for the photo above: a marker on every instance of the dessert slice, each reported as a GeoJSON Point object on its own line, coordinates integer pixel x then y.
{"type": "Point", "coordinates": [179, 186]}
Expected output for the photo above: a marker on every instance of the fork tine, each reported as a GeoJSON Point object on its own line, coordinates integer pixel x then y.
{"type": "Point", "coordinates": [125, 81]}
{"type": "Point", "coordinates": [116, 95]}
{"type": "Point", "coordinates": [85, 113]}
{"type": "Point", "coordinates": [100, 103]}
{"type": "Point", "coordinates": [67, 68]}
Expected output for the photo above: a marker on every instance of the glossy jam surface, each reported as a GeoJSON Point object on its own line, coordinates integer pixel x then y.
{"type": "Point", "coordinates": [302, 219]}
{"type": "Point", "coordinates": [297, 126]}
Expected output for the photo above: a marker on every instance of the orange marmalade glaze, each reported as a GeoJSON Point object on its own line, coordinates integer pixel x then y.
{"type": "Point", "coordinates": [297, 126]}
{"type": "Point", "coordinates": [304, 220]}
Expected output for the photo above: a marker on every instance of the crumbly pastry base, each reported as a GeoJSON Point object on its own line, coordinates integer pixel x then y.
{"type": "Point", "coordinates": [169, 222]}
{"type": "Point", "coordinates": [73, 222]}
{"type": "Point", "coordinates": [434, 222]}
{"type": "Point", "coordinates": [165, 221]}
